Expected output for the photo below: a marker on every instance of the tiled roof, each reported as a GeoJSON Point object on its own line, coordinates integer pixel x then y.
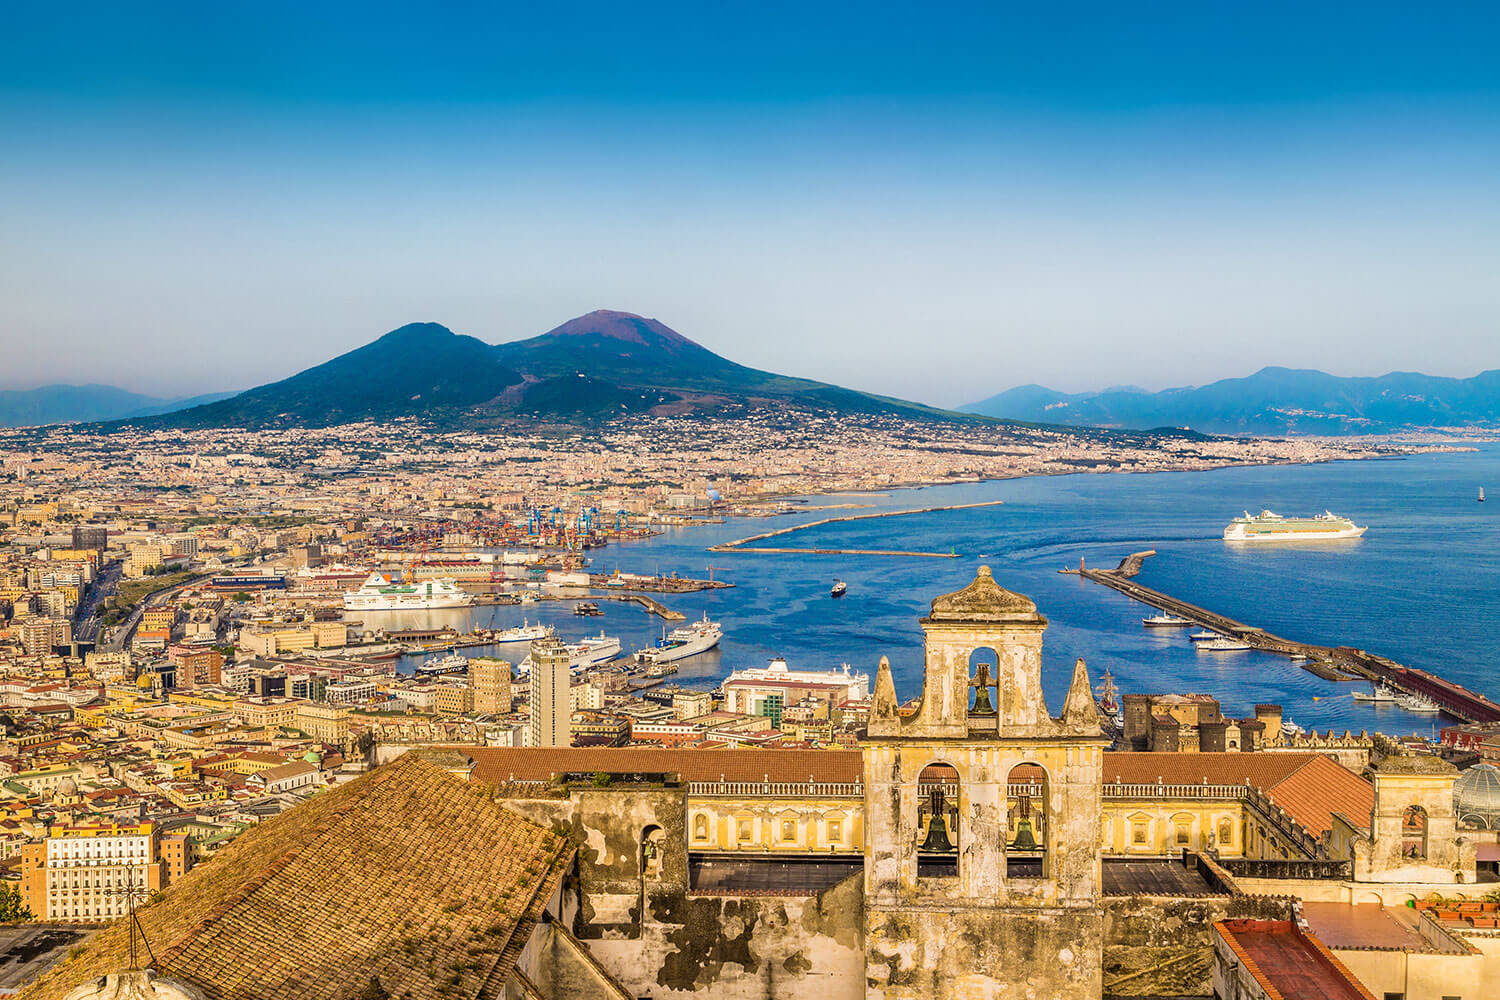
{"type": "Point", "coordinates": [1308, 785]}
{"type": "Point", "coordinates": [497, 765]}
{"type": "Point", "coordinates": [407, 875]}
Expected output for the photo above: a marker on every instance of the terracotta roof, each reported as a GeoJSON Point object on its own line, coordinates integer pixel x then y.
{"type": "Point", "coordinates": [1308, 785]}
{"type": "Point", "coordinates": [1289, 964]}
{"type": "Point", "coordinates": [497, 765]}
{"type": "Point", "coordinates": [367, 881]}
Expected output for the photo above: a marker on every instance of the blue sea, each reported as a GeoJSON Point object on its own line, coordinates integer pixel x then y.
{"type": "Point", "coordinates": [1422, 586]}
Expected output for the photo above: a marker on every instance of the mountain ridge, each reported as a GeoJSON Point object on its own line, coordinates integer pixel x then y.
{"type": "Point", "coordinates": [65, 403]}
{"type": "Point", "coordinates": [1272, 401]}
{"type": "Point", "coordinates": [602, 364]}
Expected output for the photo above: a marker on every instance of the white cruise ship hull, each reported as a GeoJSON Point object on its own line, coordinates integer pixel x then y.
{"type": "Point", "coordinates": [354, 602]}
{"type": "Point", "coordinates": [1236, 533]}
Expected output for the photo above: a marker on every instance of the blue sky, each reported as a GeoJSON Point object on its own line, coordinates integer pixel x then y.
{"type": "Point", "coordinates": [934, 201]}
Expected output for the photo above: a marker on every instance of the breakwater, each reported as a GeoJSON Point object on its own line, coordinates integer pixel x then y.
{"type": "Point", "coordinates": [1348, 662]}
{"type": "Point", "coordinates": [746, 544]}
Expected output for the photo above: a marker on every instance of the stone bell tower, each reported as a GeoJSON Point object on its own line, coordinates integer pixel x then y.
{"type": "Point", "coordinates": [982, 816]}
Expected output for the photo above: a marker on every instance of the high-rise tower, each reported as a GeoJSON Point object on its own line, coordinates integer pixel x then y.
{"type": "Point", "coordinates": [551, 678]}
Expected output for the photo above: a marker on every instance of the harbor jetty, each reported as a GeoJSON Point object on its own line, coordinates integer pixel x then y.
{"type": "Point", "coordinates": [1330, 662]}
{"type": "Point", "coordinates": [746, 545]}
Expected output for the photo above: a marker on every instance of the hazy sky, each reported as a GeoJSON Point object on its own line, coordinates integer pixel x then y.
{"type": "Point", "coordinates": [936, 201]}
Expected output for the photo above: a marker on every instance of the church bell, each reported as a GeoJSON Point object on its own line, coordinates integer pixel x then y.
{"type": "Point", "coordinates": [1025, 839]}
{"type": "Point", "coordinates": [937, 841]}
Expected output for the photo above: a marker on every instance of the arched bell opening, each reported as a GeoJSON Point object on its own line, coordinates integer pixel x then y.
{"type": "Point", "coordinates": [1414, 833]}
{"type": "Point", "coordinates": [1028, 826]}
{"type": "Point", "coordinates": [984, 679]}
{"type": "Point", "coordinates": [937, 821]}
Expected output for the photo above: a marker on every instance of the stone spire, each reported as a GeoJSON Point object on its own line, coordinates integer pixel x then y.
{"type": "Point", "coordinates": [1079, 714]}
{"type": "Point", "coordinates": [885, 717]}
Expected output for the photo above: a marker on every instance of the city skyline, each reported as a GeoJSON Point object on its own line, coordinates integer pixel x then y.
{"type": "Point", "coordinates": [937, 208]}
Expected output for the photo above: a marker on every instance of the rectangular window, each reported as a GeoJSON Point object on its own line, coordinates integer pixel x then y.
{"type": "Point", "coordinates": [835, 830]}
{"type": "Point", "coordinates": [788, 829]}
{"type": "Point", "coordinates": [1184, 836]}
{"type": "Point", "coordinates": [745, 830]}
{"type": "Point", "coordinates": [1138, 834]}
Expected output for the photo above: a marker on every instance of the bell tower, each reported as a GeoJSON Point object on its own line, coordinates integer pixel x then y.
{"type": "Point", "coordinates": [982, 816]}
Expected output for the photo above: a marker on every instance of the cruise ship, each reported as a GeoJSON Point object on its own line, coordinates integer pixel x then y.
{"type": "Point", "coordinates": [1268, 526]}
{"type": "Point", "coordinates": [379, 594]}
{"type": "Point", "coordinates": [680, 643]}
{"type": "Point", "coordinates": [585, 653]}
{"type": "Point", "coordinates": [452, 664]}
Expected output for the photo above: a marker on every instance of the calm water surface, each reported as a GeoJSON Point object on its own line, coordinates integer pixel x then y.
{"type": "Point", "coordinates": [1422, 586]}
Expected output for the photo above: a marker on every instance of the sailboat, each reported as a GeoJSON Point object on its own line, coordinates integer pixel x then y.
{"type": "Point", "coordinates": [1481, 494]}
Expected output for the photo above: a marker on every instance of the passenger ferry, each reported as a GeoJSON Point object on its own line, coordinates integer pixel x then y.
{"type": "Point", "coordinates": [585, 653]}
{"type": "Point", "coordinates": [1268, 526]}
{"type": "Point", "coordinates": [451, 664]}
{"type": "Point", "coordinates": [379, 594]}
{"type": "Point", "coordinates": [1166, 620]}
{"type": "Point", "coordinates": [682, 642]}
{"type": "Point", "coordinates": [525, 632]}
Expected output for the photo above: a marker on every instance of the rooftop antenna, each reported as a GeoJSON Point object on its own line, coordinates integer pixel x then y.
{"type": "Point", "coordinates": [133, 892]}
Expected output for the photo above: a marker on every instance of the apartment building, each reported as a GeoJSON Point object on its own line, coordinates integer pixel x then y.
{"type": "Point", "coordinates": [81, 872]}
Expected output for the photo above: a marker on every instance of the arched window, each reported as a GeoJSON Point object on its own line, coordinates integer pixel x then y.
{"type": "Point", "coordinates": [700, 827]}
{"type": "Point", "coordinates": [1414, 833]}
{"type": "Point", "coordinates": [937, 822]}
{"type": "Point", "coordinates": [1026, 848]}
{"type": "Point", "coordinates": [652, 842]}
{"type": "Point", "coordinates": [1226, 832]}
{"type": "Point", "coordinates": [984, 694]}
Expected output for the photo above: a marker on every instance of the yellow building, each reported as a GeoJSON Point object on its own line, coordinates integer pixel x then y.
{"type": "Point", "coordinates": [328, 723]}
{"type": "Point", "coordinates": [78, 872]}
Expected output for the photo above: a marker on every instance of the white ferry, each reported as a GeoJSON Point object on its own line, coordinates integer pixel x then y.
{"type": "Point", "coordinates": [585, 653]}
{"type": "Point", "coordinates": [1381, 695]}
{"type": "Point", "coordinates": [452, 664]}
{"type": "Point", "coordinates": [379, 594]}
{"type": "Point", "coordinates": [682, 642]}
{"type": "Point", "coordinates": [1268, 526]}
{"type": "Point", "coordinates": [1166, 620]}
{"type": "Point", "coordinates": [525, 632]}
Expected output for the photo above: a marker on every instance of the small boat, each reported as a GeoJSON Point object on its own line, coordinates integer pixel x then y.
{"type": "Point", "coordinates": [1381, 695]}
{"type": "Point", "coordinates": [1204, 636]}
{"type": "Point", "coordinates": [1166, 620]}
{"type": "Point", "coordinates": [1223, 644]}
{"type": "Point", "coordinates": [1291, 728]}
{"type": "Point", "coordinates": [587, 609]}
{"type": "Point", "coordinates": [839, 587]}
{"type": "Point", "coordinates": [1481, 494]}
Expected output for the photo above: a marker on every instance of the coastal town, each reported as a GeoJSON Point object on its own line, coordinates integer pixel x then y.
{"type": "Point", "coordinates": [196, 628]}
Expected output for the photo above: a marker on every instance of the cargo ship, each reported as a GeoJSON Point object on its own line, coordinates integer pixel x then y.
{"type": "Point", "coordinates": [1268, 526]}
{"type": "Point", "coordinates": [379, 594]}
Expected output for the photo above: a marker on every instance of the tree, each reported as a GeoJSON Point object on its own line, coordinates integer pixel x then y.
{"type": "Point", "coordinates": [12, 907]}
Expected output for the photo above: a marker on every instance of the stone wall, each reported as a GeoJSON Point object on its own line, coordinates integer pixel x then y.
{"type": "Point", "coordinates": [660, 940]}
{"type": "Point", "coordinates": [1156, 946]}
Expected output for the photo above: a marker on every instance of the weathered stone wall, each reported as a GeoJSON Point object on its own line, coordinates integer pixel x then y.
{"type": "Point", "coordinates": [661, 941]}
{"type": "Point", "coordinates": [1156, 946]}
{"type": "Point", "coordinates": [746, 948]}
{"type": "Point", "coordinates": [1002, 953]}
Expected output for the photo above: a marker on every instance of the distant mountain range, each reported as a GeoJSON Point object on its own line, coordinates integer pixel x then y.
{"type": "Point", "coordinates": [1273, 401]}
{"type": "Point", "coordinates": [67, 404]}
{"type": "Point", "coordinates": [591, 368]}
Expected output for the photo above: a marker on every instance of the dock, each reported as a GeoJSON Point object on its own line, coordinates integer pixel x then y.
{"type": "Point", "coordinates": [1454, 699]}
{"type": "Point", "coordinates": [745, 545]}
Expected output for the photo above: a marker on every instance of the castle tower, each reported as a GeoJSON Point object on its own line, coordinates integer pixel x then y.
{"type": "Point", "coordinates": [982, 816]}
